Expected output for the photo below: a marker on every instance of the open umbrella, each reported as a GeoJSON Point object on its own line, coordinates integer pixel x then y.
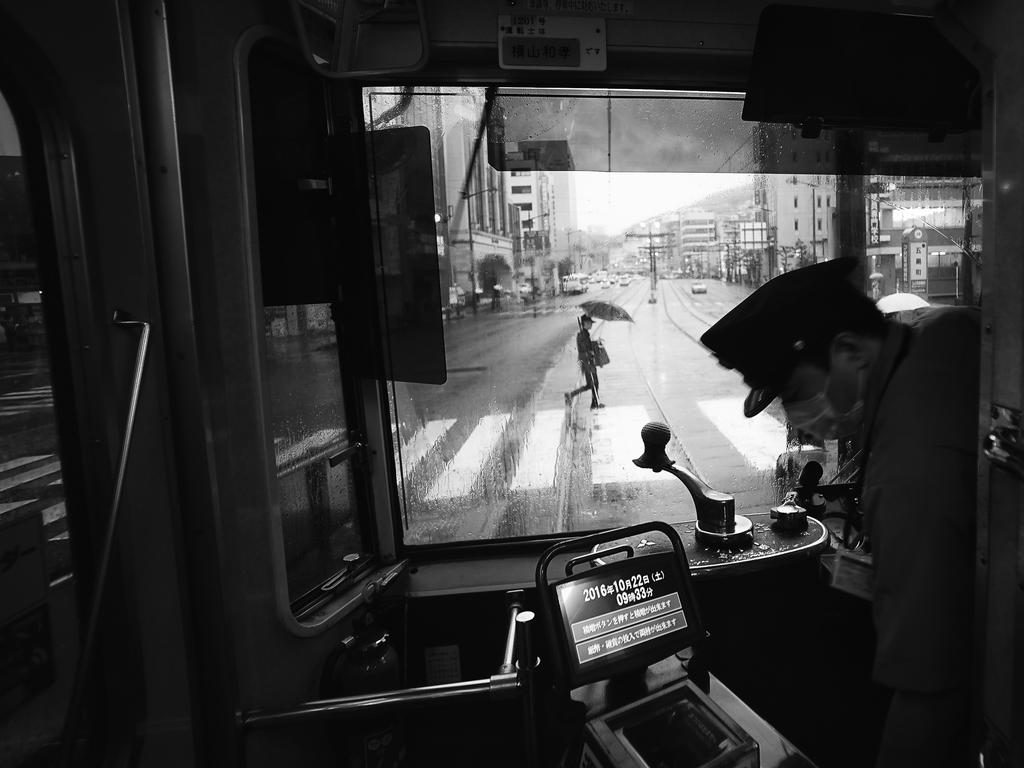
{"type": "Point", "coordinates": [605, 310]}
{"type": "Point", "coordinates": [900, 302]}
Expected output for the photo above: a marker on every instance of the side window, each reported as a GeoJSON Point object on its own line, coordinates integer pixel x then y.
{"type": "Point", "coordinates": [307, 402]}
{"type": "Point", "coordinates": [38, 610]}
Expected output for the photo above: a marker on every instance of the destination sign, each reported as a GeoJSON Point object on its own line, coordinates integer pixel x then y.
{"type": "Point", "coordinates": [539, 41]}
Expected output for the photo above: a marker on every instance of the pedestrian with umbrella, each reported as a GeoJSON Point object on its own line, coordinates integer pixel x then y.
{"type": "Point", "coordinates": [586, 354]}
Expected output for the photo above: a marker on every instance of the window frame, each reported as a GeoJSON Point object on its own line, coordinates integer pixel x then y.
{"type": "Point", "coordinates": [53, 187]}
{"type": "Point", "coordinates": [362, 397]}
{"type": "Point", "coordinates": [530, 543]}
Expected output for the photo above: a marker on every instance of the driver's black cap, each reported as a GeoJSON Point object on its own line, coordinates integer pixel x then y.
{"type": "Point", "coordinates": [765, 335]}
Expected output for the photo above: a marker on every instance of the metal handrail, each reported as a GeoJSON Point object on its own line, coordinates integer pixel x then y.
{"type": "Point", "coordinates": [501, 686]}
{"type": "Point", "coordinates": [510, 638]}
{"type": "Point", "coordinates": [496, 687]}
{"type": "Point", "coordinates": [88, 652]}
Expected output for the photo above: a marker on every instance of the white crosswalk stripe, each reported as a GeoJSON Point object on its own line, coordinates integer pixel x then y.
{"type": "Point", "coordinates": [27, 400]}
{"type": "Point", "coordinates": [29, 475]}
{"type": "Point", "coordinates": [19, 472]}
{"type": "Point", "coordinates": [760, 440]}
{"type": "Point", "coordinates": [459, 476]}
{"type": "Point", "coordinates": [416, 448]}
{"type": "Point", "coordinates": [7, 506]}
{"type": "Point", "coordinates": [21, 461]}
{"type": "Point", "coordinates": [540, 451]}
{"type": "Point", "coordinates": [54, 513]}
{"type": "Point", "coordinates": [615, 443]}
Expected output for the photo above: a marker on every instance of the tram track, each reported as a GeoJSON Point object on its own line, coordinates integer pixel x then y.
{"type": "Point", "coordinates": [687, 458]}
{"type": "Point", "coordinates": [674, 291]}
{"type": "Point", "coordinates": [633, 306]}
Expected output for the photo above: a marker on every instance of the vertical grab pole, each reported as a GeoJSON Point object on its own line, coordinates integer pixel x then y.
{"type": "Point", "coordinates": [515, 605]}
{"type": "Point", "coordinates": [88, 650]}
{"type": "Point", "coordinates": [526, 665]}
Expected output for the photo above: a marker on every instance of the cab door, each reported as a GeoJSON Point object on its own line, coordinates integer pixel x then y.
{"type": "Point", "coordinates": [988, 33]}
{"type": "Point", "coordinates": [76, 246]}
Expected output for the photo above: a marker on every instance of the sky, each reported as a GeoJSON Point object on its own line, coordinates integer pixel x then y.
{"type": "Point", "coordinates": [613, 201]}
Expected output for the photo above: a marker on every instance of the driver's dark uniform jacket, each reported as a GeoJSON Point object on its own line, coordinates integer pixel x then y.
{"type": "Point", "coordinates": [918, 497]}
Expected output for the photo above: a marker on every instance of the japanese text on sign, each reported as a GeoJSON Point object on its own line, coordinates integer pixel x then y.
{"type": "Point", "coordinates": [550, 51]}
{"type": "Point", "coordinates": [618, 641]}
{"type": "Point", "coordinates": [542, 41]}
{"type": "Point", "coordinates": [613, 620]}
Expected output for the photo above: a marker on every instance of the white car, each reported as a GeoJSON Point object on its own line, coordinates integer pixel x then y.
{"type": "Point", "coordinates": [698, 288]}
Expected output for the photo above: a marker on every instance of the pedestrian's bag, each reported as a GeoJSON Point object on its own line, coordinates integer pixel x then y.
{"type": "Point", "coordinates": [600, 353]}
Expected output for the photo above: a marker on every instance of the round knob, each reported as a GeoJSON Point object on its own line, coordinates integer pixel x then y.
{"type": "Point", "coordinates": [810, 475]}
{"type": "Point", "coordinates": [655, 436]}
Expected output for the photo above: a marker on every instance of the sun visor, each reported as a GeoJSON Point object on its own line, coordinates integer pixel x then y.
{"type": "Point", "coordinates": [645, 132]}
{"type": "Point", "coordinates": [827, 68]}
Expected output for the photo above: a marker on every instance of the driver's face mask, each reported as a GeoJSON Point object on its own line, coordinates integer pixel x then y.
{"type": "Point", "coordinates": [817, 416]}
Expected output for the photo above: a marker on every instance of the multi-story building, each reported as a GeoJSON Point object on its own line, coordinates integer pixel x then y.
{"type": "Point", "coordinates": [803, 208]}
{"type": "Point", "coordinates": [530, 195]}
{"type": "Point", "coordinates": [698, 242]}
{"type": "Point", "coordinates": [481, 227]}
{"type": "Point", "coordinates": [564, 224]}
{"type": "Point", "coordinates": [924, 236]}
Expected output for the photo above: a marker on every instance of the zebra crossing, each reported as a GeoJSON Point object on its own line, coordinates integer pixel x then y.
{"type": "Point", "coordinates": [26, 401]}
{"type": "Point", "coordinates": [613, 444]}
{"type": "Point", "coordinates": [759, 439]}
{"type": "Point", "coordinates": [31, 485]}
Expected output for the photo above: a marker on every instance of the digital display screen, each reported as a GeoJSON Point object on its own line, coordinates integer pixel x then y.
{"type": "Point", "coordinates": [623, 607]}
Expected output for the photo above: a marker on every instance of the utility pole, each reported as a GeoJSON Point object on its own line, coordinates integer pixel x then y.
{"type": "Point", "coordinates": [652, 251]}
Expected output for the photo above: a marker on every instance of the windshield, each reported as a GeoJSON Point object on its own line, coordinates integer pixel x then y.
{"type": "Point", "coordinates": [667, 210]}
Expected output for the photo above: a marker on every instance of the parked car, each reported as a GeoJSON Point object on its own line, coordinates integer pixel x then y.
{"type": "Point", "coordinates": [698, 288]}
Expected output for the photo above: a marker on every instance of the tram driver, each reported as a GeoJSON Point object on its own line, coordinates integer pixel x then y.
{"type": "Point", "coordinates": [910, 392]}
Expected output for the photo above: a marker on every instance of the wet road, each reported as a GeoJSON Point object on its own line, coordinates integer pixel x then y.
{"type": "Point", "coordinates": [496, 453]}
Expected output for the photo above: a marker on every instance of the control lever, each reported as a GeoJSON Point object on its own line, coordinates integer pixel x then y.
{"type": "Point", "coordinates": [791, 514]}
{"type": "Point", "coordinates": [717, 521]}
{"type": "Point", "coordinates": [811, 497]}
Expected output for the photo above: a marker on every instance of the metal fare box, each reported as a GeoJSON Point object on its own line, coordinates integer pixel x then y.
{"type": "Point", "coordinates": [677, 727]}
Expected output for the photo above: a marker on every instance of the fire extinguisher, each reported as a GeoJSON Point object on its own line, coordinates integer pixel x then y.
{"type": "Point", "coordinates": [366, 662]}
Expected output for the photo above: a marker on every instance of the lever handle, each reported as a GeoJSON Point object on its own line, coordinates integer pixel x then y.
{"type": "Point", "coordinates": [716, 511]}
